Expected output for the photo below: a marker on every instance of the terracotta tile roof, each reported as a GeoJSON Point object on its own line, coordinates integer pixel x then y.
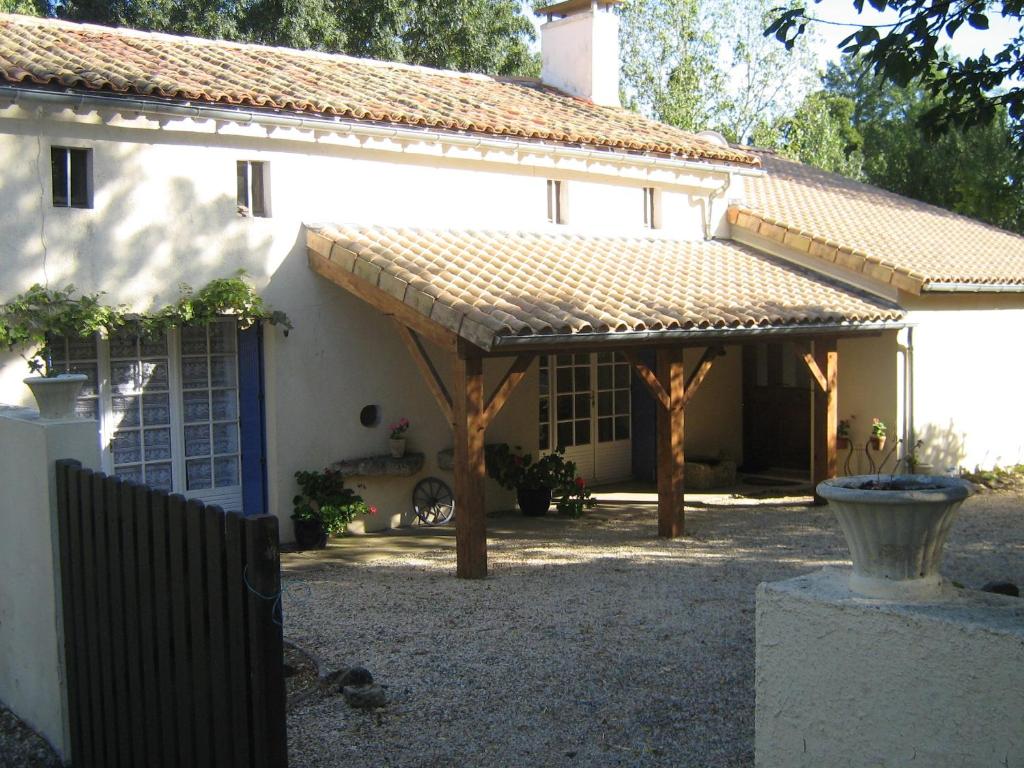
{"type": "Point", "coordinates": [44, 52]}
{"type": "Point", "coordinates": [892, 238]}
{"type": "Point", "coordinates": [487, 286]}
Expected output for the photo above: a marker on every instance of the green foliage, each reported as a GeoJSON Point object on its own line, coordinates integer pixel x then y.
{"type": "Point", "coordinates": [26, 7]}
{"type": "Point", "coordinates": [967, 92]}
{"type": "Point", "coordinates": [997, 478]}
{"type": "Point", "coordinates": [518, 470]}
{"type": "Point", "coordinates": [490, 36]}
{"type": "Point", "coordinates": [844, 429]}
{"type": "Point", "coordinates": [325, 498]}
{"type": "Point", "coordinates": [28, 320]}
{"type": "Point", "coordinates": [878, 428]}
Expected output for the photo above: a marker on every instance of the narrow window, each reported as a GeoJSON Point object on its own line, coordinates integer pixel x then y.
{"type": "Point", "coordinates": [649, 208]}
{"type": "Point", "coordinates": [253, 197]}
{"type": "Point", "coordinates": [71, 170]}
{"type": "Point", "coordinates": [555, 202]}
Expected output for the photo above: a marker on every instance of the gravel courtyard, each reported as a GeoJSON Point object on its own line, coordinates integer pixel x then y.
{"type": "Point", "coordinates": [592, 642]}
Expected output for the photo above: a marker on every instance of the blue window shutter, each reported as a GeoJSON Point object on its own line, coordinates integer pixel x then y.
{"type": "Point", "coordinates": [251, 420]}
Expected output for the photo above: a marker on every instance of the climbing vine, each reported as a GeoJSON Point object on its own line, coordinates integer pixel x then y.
{"type": "Point", "coordinates": [30, 320]}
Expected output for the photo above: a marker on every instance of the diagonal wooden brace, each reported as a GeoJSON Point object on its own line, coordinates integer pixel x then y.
{"type": "Point", "coordinates": [426, 367]}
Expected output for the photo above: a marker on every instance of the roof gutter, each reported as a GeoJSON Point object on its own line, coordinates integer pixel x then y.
{"type": "Point", "coordinates": [974, 288]}
{"type": "Point", "coordinates": [78, 100]}
{"type": "Point", "coordinates": [700, 335]}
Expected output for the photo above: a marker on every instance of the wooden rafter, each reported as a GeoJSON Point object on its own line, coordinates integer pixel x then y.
{"type": "Point", "coordinates": [426, 368]}
{"type": "Point", "coordinates": [648, 377]}
{"type": "Point", "coordinates": [816, 372]}
{"type": "Point", "coordinates": [512, 378]}
{"type": "Point", "coordinates": [322, 264]}
{"type": "Point", "coordinates": [700, 372]}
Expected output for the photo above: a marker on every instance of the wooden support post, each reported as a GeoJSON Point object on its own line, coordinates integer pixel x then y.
{"type": "Point", "coordinates": [470, 524]}
{"type": "Point", "coordinates": [826, 412]}
{"type": "Point", "coordinates": [670, 444]}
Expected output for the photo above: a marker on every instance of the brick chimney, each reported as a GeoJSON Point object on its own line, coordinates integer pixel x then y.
{"type": "Point", "coordinates": [579, 47]}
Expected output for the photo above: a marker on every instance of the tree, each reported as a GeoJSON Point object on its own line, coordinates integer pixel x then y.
{"type": "Point", "coordinates": [27, 7]}
{"type": "Point", "coordinates": [704, 64]}
{"type": "Point", "coordinates": [968, 92]}
{"type": "Point", "coordinates": [489, 36]}
{"type": "Point", "coordinates": [974, 171]}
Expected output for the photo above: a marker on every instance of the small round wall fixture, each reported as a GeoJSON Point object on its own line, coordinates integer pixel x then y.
{"type": "Point", "coordinates": [370, 415]}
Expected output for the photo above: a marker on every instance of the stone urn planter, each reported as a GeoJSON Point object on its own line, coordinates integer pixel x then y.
{"type": "Point", "coordinates": [56, 395]}
{"type": "Point", "coordinates": [534, 502]}
{"type": "Point", "coordinates": [896, 527]}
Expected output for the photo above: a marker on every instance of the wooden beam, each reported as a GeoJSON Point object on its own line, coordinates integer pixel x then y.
{"type": "Point", "coordinates": [470, 523]}
{"type": "Point", "coordinates": [426, 367]}
{"type": "Point", "coordinates": [671, 459]}
{"type": "Point", "coordinates": [648, 377]}
{"type": "Point", "coordinates": [513, 376]}
{"type": "Point", "coordinates": [826, 413]}
{"type": "Point", "coordinates": [381, 300]}
{"type": "Point", "coordinates": [700, 372]}
{"type": "Point", "coordinates": [816, 372]}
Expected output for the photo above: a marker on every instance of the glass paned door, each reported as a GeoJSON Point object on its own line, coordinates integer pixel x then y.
{"type": "Point", "coordinates": [585, 409]}
{"type": "Point", "coordinates": [209, 381]}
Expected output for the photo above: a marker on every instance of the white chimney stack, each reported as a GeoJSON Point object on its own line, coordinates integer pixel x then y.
{"type": "Point", "coordinates": [579, 47]}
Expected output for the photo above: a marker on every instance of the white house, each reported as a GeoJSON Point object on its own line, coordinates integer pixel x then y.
{"type": "Point", "coordinates": [528, 237]}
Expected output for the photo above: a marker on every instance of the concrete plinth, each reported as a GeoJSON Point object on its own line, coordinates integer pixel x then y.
{"type": "Point", "coordinates": [847, 681]}
{"type": "Point", "coordinates": [31, 633]}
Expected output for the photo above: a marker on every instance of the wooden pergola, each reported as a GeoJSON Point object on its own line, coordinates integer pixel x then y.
{"type": "Point", "coordinates": [469, 412]}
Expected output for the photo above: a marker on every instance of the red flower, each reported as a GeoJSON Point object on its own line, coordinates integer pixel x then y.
{"type": "Point", "coordinates": [518, 460]}
{"type": "Point", "coordinates": [373, 510]}
{"type": "Point", "coordinates": [581, 483]}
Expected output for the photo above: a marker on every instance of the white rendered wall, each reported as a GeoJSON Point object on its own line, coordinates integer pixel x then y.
{"type": "Point", "coordinates": [165, 213]}
{"type": "Point", "coordinates": [849, 682]}
{"type": "Point", "coordinates": [869, 388]}
{"type": "Point", "coordinates": [967, 374]}
{"type": "Point", "coordinates": [31, 629]}
{"type": "Point", "coordinates": [580, 55]}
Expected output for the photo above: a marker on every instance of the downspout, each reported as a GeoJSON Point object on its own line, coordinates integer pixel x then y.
{"type": "Point", "coordinates": [908, 433]}
{"type": "Point", "coordinates": [709, 208]}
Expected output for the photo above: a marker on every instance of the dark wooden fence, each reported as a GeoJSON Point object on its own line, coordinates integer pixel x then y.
{"type": "Point", "coordinates": [172, 628]}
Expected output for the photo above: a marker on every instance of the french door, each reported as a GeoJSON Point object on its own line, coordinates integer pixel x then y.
{"type": "Point", "coordinates": [585, 409]}
{"type": "Point", "coordinates": [167, 407]}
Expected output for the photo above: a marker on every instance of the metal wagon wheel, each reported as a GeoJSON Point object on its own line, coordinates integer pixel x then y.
{"type": "Point", "coordinates": [433, 501]}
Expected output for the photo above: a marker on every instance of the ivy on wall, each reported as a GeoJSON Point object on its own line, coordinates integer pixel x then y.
{"type": "Point", "coordinates": [30, 319]}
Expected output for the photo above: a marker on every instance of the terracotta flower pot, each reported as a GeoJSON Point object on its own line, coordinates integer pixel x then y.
{"type": "Point", "coordinates": [396, 446]}
{"type": "Point", "coordinates": [896, 532]}
{"type": "Point", "coordinates": [878, 443]}
{"type": "Point", "coordinates": [534, 502]}
{"type": "Point", "coordinates": [842, 443]}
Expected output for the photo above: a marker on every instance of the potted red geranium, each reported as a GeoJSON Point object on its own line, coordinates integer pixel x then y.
{"type": "Point", "coordinates": [538, 483]}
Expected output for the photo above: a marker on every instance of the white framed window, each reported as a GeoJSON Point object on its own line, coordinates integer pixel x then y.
{"type": "Point", "coordinates": [650, 214]}
{"type": "Point", "coordinates": [71, 174]}
{"type": "Point", "coordinates": [253, 188]}
{"type": "Point", "coordinates": [556, 201]}
{"type": "Point", "coordinates": [168, 407]}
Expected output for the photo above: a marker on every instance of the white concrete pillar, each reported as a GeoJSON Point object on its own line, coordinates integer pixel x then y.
{"type": "Point", "coordinates": [32, 681]}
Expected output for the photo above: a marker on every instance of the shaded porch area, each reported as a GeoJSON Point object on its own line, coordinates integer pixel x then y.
{"type": "Point", "coordinates": [482, 295]}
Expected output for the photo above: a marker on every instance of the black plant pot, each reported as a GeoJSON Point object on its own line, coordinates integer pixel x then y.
{"type": "Point", "coordinates": [534, 502]}
{"type": "Point", "coordinates": [310, 534]}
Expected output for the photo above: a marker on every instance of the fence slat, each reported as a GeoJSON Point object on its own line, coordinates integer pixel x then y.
{"type": "Point", "coordinates": [266, 642]}
{"type": "Point", "coordinates": [213, 523]}
{"type": "Point", "coordinates": [131, 550]}
{"type": "Point", "coordinates": [107, 660]}
{"type": "Point", "coordinates": [181, 629]}
{"type": "Point", "coordinates": [238, 629]}
{"type": "Point", "coordinates": [148, 703]}
{"type": "Point", "coordinates": [115, 628]}
{"type": "Point", "coordinates": [169, 749]}
{"type": "Point", "coordinates": [195, 542]}
{"type": "Point", "coordinates": [67, 507]}
{"type": "Point", "coordinates": [93, 626]}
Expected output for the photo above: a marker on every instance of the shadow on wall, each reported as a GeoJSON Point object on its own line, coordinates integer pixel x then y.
{"type": "Point", "coordinates": [144, 235]}
{"type": "Point", "coordinates": [942, 447]}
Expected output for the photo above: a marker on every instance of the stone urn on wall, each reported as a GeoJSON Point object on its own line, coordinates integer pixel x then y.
{"type": "Point", "coordinates": [56, 395]}
{"type": "Point", "coordinates": [896, 527]}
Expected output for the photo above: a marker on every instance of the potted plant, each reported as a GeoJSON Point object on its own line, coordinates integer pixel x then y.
{"type": "Point", "coordinates": [324, 507]}
{"type": "Point", "coordinates": [843, 434]}
{"type": "Point", "coordinates": [31, 321]}
{"type": "Point", "coordinates": [396, 441]}
{"type": "Point", "coordinates": [538, 483]}
{"type": "Point", "coordinates": [877, 434]}
{"type": "Point", "coordinates": [896, 527]}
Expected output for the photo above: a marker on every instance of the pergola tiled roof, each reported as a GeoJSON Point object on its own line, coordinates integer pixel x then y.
{"type": "Point", "coordinates": [910, 244]}
{"type": "Point", "coordinates": [501, 289]}
{"type": "Point", "coordinates": [49, 53]}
